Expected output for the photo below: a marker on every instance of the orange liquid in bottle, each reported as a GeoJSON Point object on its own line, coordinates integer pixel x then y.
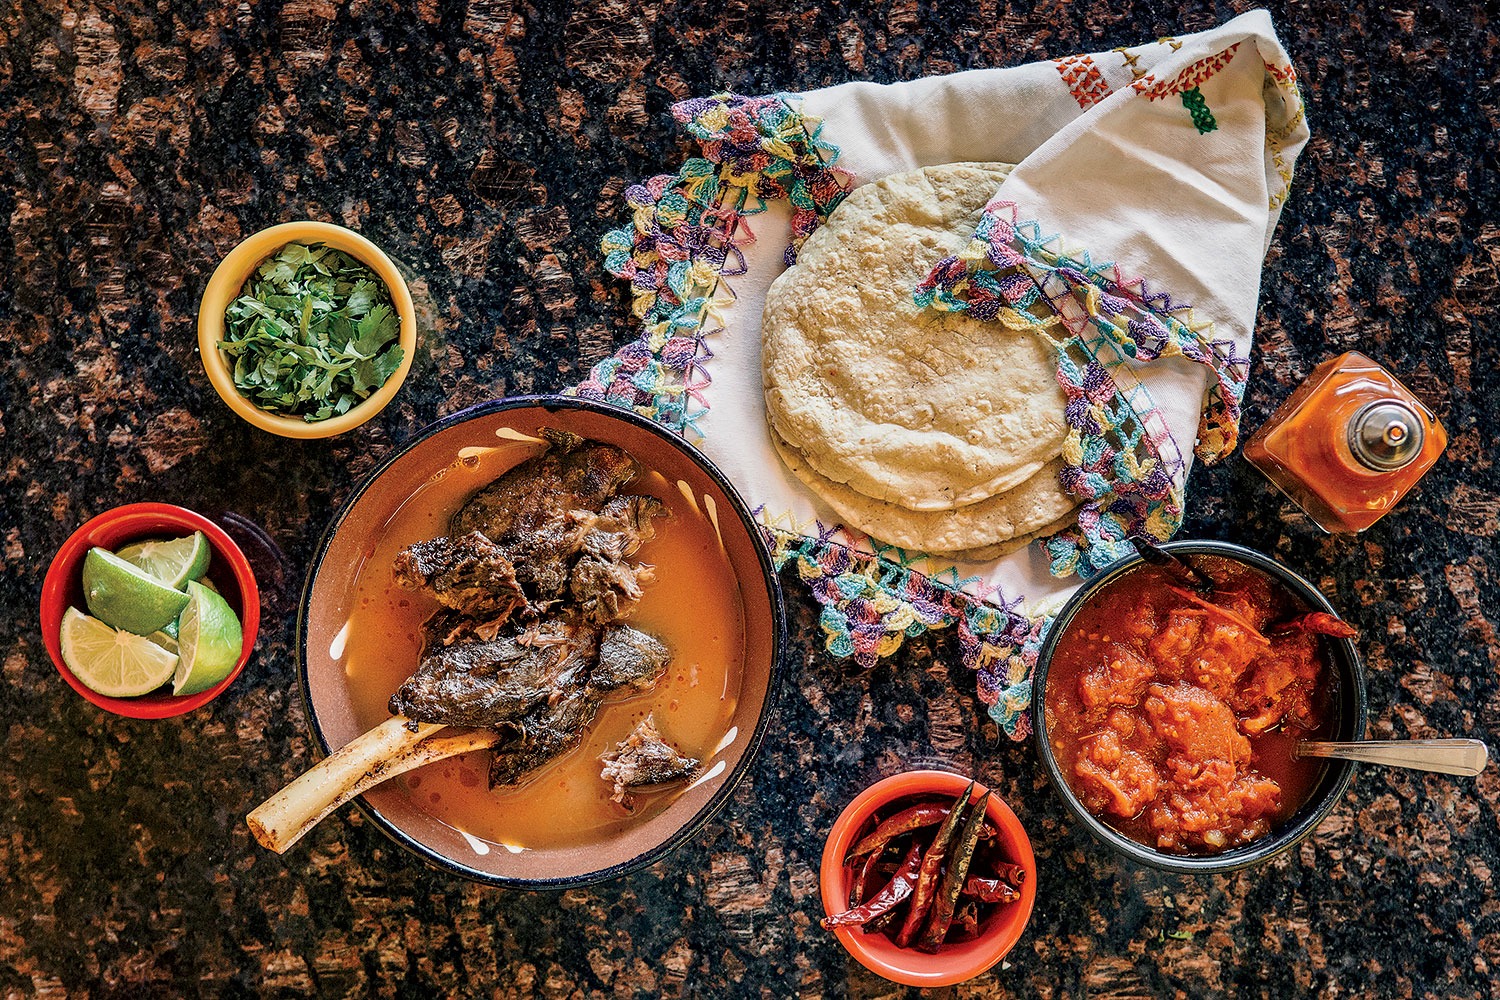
{"type": "Point", "coordinates": [1348, 444]}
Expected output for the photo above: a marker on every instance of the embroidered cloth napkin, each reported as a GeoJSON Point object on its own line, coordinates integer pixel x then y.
{"type": "Point", "coordinates": [1148, 184]}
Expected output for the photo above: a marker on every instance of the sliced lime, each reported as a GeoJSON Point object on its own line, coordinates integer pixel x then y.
{"type": "Point", "coordinates": [126, 596]}
{"type": "Point", "coordinates": [165, 640]}
{"type": "Point", "coordinates": [173, 561]}
{"type": "Point", "coordinates": [110, 661]}
{"type": "Point", "coordinates": [209, 636]}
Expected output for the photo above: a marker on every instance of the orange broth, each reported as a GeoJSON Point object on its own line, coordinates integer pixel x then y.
{"type": "Point", "coordinates": [693, 606]}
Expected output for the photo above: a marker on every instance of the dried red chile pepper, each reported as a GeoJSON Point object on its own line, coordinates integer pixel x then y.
{"type": "Point", "coordinates": [927, 879]}
{"type": "Point", "coordinates": [1318, 622]}
{"type": "Point", "coordinates": [953, 878]}
{"type": "Point", "coordinates": [1014, 874]}
{"type": "Point", "coordinates": [899, 887]}
{"type": "Point", "coordinates": [862, 880]}
{"type": "Point", "coordinates": [991, 890]}
{"type": "Point", "coordinates": [905, 821]}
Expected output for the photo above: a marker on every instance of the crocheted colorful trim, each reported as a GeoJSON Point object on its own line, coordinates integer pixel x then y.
{"type": "Point", "coordinates": [685, 237]}
{"type": "Point", "coordinates": [1119, 456]}
{"type": "Point", "coordinates": [872, 602]}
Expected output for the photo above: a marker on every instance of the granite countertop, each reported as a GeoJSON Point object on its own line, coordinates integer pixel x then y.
{"type": "Point", "coordinates": [487, 146]}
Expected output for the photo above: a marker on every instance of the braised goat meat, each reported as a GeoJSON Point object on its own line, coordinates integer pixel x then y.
{"type": "Point", "coordinates": [489, 683]}
{"type": "Point", "coordinates": [604, 582]}
{"type": "Point", "coordinates": [540, 512]}
{"type": "Point", "coordinates": [642, 759]}
{"type": "Point", "coordinates": [551, 529]}
{"type": "Point", "coordinates": [468, 573]}
{"type": "Point", "coordinates": [534, 575]}
{"type": "Point", "coordinates": [629, 662]}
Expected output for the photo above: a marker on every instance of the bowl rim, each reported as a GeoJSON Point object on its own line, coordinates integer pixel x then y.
{"type": "Point", "coordinates": [908, 784]}
{"type": "Point", "coordinates": [68, 561]}
{"type": "Point", "coordinates": [774, 683]}
{"type": "Point", "coordinates": [1255, 853]}
{"type": "Point", "coordinates": [229, 277]}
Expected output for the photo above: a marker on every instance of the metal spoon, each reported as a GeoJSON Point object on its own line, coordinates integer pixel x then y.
{"type": "Point", "coordinates": [1181, 570]}
{"type": "Point", "coordinates": [1464, 757]}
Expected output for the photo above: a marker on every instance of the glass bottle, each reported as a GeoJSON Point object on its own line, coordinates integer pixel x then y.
{"type": "Point", "coordinates": [1348, 443]}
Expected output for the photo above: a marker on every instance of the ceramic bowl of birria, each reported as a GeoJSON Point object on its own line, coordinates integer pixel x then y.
{"type": "Point", "coordinates": [711, 597]}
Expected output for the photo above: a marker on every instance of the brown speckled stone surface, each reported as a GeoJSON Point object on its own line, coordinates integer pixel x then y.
{"type": "Point", "coordinates": [486, 146]}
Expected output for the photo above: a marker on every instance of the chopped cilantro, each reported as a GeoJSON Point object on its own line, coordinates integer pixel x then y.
{"type": "Point", "coordinates": [312, 333]}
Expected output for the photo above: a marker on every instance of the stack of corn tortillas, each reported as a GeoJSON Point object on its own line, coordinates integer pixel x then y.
{"type": "Point", "coordinates": [928, 430]}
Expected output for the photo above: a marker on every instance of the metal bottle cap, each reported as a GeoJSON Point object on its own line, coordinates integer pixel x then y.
{"type": "Point", "coordinates": [1385, 435]}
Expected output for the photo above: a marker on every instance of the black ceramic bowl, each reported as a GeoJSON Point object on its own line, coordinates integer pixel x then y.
{"type": "Point", "coordinates": [1348, 700]}
{"type": "Point", "coordinates": [448, 451]}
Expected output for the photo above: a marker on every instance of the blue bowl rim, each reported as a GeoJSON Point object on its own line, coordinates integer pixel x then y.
{"type": "Point", "coordinates": [1330, 788]}
{"type": "Point", "coordinates": [774, 682]}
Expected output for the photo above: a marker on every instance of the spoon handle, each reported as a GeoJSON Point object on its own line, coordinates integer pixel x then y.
{"type": "Point", "coordinates": [1176, 567]}
{"type": "Point", "coordinates": [1465, 757]}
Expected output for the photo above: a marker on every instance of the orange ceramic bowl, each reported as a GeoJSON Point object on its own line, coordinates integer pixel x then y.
{"type": "Point", "coordinates": [224, 287]}
{"type": "Point", "coordinates": [953, 963]}
{"type": "Point", "coordinates": [440, 451]}
{"type": "Point", "coordinates": [228, 569]}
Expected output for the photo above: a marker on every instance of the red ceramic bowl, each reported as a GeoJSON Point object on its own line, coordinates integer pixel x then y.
{"type": "Point", "coordinates": [228, 569]}
{"type": "Point", "coordinates": [953, 963]}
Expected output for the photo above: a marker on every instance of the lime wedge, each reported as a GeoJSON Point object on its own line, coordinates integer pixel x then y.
{"type": "Point", "coordinates": [165, 640]}
{"type": "Point", "coordinates": [209, 636]}
{"type": "Point", "coordinates": [173, 561]}
{"type": "Point", "coordinates": [110, 661]}
{"type": "Point", "coordinates": [126, 596]}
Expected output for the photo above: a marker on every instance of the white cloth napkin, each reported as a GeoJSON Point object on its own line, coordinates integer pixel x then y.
{"type": "Point", "coordinates": [1147, 177]}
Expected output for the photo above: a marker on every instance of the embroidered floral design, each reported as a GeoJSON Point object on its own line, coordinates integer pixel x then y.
{"type": "Point", "coordinates": [685, 236]}
{"type": "Point", "coordinates": [1285, 76]}
{"type": "Point", "coordinates": [1131, 60]}
{"type": "Point", "coordinates": [873, 602]}
{"type": "Point", "coordinates": [1203, 119]}
{"type": "Point", "coordinates": [1153, 89]}
{"type": "Point", "coordinates": [1294, 115]}
{"type": "Point", "coordinates": [1185, 84]}
{"type": "Point", "coordinates": [1119, 456]}
{"type": "Point", "coordinates": [1084, 80]}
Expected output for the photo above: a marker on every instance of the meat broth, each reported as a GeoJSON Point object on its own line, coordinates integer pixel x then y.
{"type": "Point", "coordinates": [693, 605]}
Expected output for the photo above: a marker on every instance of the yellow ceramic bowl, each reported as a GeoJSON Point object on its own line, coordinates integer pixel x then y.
{"type": "Point", "coordinates": [225, 286]}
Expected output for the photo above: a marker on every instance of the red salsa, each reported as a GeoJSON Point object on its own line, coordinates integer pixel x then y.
{"type": "Point", "coordinates": [1173, 716]}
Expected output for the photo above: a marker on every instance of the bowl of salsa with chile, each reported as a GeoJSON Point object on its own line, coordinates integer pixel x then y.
{"type": "Point", "coordinates": [1169, 719]}
{"type": "Point", "coordinates": [714, 603]}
